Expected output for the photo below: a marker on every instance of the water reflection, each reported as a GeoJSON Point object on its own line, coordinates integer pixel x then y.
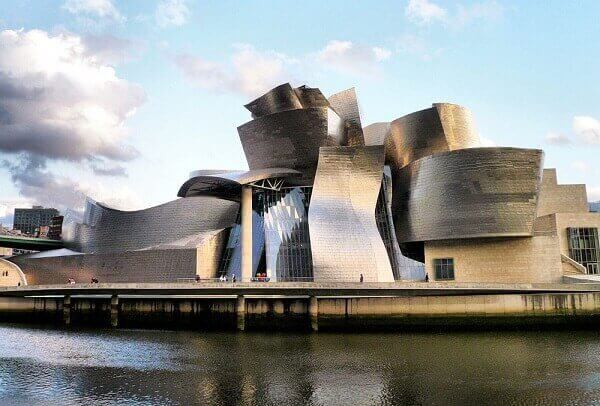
{"type": "Point", "coordinates": [40, 366]}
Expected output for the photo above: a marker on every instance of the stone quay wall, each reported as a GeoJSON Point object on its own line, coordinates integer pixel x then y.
{"type": "Point", "coordinates": [309, 313]}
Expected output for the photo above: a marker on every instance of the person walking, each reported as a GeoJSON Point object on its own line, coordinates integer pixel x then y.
{"type": "Point", "coordinates": [233, 278]}
{"type": "Point", "coordinates": [362, 278]}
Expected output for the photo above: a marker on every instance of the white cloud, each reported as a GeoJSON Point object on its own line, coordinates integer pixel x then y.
{"type": "Point", "coordinates": [424, 12]}
{"type": "Point", "coordinates": [487, 142]}
{"type": "Point", "coordinates": [348, 57]}
{"type": "Point", "coordinates": [382, 54]}
{"type": "Point", "coordinates": [252, 72]}
{"type": "Point", "coordinates": [111, 50]}
{"type": "Point", "coordinates": [59, 101]}
{"type": "Point", "coordinates": [557, 138]}
{"type": "Point", "coordinates": [587, 129]}
{"type": "Point", "coordinates": [172, 13]}
{"type": "Point", "coordinates": [104, 9]}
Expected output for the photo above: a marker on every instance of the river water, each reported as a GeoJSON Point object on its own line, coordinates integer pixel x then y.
{"type": "Point", "coordinates": [102, 366]}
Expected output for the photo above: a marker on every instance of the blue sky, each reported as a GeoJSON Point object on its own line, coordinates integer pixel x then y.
{"type": "Point", "coordinates": [121, 100]}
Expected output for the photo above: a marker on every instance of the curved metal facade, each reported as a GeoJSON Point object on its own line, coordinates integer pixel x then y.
{"type": "Point", "coordinates": [343, 231]}
{"type": "Point", "coordinates": [345, 105]}
{"type": "Point", "coordinates": [108, 230]}
{"type": "Point", "coordinates": [291, 139]}
{"type": "Point", "coordinates": [281, 98]}
{"type": "Point", "coordinates": [376, 133]}
{"type": "Point", "coordinates": [227, 184]}
{"type": "Point", "coordinates": [444, 127]}
{"type": "Point", "coordinates": [477, 192]}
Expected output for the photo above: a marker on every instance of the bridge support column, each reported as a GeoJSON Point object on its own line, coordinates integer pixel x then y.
{"type": "Point", "coordinates": [246, 234]}
{"type": "Point", "coordinates": [240, 310]}
{"type": "Point", "coordinates": [313, 313]}
{"type": "Point", "coordinates": [114, 311]}
{"type": "Point", "coordinates": [67, 310]}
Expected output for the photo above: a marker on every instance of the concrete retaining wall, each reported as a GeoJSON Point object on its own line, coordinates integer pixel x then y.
{"type": "Point", "coordinates": [333, 313]}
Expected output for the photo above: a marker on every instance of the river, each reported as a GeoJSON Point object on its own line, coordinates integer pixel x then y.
{"type": "Point", "coordinates": [102, 366]}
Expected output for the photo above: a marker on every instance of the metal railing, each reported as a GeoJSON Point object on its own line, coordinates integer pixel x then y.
{"type": "Point", "coordinates": [252, 279]}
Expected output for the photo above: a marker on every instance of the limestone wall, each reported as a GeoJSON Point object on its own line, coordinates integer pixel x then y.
{"type": "Point", "coordinates": [566, 220]}
{"type": "Point", "coordinates": [509, 260]}
{"type": "Point", "coordinates": [555, 198]}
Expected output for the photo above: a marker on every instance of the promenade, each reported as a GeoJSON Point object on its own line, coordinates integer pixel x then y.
{"type": "Point", "coordinates": [307, 305]}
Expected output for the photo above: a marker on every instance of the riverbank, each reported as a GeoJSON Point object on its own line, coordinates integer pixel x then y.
{"type": "Point", "coordinates": [405, 307]}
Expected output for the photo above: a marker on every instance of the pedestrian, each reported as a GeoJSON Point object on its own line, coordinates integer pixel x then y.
{"type": "Point", "coordinates": [197, 278]}
{"type": "Point", "coordinates": [426, 277]}
{"type": "Point", "coordinates": [233, 279]}
{"type": "Point", "coordinates": [362, 278]}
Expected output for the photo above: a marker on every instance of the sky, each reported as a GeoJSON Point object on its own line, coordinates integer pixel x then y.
{"type": "Point", "coordinates": [120, 100]}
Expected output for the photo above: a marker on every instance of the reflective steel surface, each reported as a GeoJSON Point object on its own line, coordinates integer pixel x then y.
{"type": "Point", "coordinates": [291, 139]}
{"type": "Point", "coordinates": [403, 267]}
{"type": "Point", "coordinates": [136, 367]}
{"type": "Point", "coordinates": [278, 99]}
{"type": "Point", "coordinates": [228, 183]}
{"type": "Point", "coordinates": [444, 127]}
{"type": "Point", "coordinates": [345, 105]}
{"type": "Point", "coordinates": [477, 192]}
{"type": "Point", "coordinates": [345, 241]}
{"type": "Point", "coordinates": [109, 230]}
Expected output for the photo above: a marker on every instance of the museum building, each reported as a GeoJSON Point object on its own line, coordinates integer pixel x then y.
{"type": "Point", "coordinates": [327, 200]}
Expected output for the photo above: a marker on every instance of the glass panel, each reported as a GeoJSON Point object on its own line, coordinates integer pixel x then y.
{"type": "Point", "coordinates": [584, 247]}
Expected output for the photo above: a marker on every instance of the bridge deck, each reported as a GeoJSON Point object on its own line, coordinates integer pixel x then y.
{"type": "Point", "coordinates": [30, 243]}
{"type": "Point", "coordinates": [296, 289]}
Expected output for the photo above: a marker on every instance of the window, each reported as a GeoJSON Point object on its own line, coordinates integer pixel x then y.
{"type": "Point", "coordinates": [584, 248]}
{"type": "Point", "coordinates": [444, 268]}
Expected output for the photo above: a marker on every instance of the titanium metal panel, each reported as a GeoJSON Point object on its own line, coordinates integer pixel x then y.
{"type": "Point", "coordinates": [281, 98]}
{"type": "Point", "coordinates": [227, 184]}
{"type": "Point", "coordinates": [376, 133]}
{"type": "Point", "coordinates": [116, 231]}
{"type": "Point", "coordinates": [444, 127]}
{"type": "Point", "coordinates": [345, 241]}
{"type": "Point", "coordinates": [469, 193]}
{"type": "Point", "coordinates": [345, 104]}
{"type": "Point", "coordinates": [403, 267]}
{"type": "Point", "coordinates": [291, 139]}
{"type": "Point", "coordinates": [311, 97]}
{"type": "Point", "coordinates": [165, 265]}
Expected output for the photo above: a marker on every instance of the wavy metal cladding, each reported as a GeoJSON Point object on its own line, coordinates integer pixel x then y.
{"type": "Point", "coordinates": [444, 127]}
{"type": "Point", "coordinates": [469, 193]}
{"type": "Point", "coordinates": [111, 230]}
{"type": "Point", "coordinates": [345, 241]}
{"type": "Point", "coordinates": [376, 133]}
{"type": "Point", "coordinates": [345, 104]}
{"type": "Point", "coordinates": [291, 139]}
{"type": "Point", "coordinates": [281, 98]}
{"type": "Point", "coordinates": [228, 184]}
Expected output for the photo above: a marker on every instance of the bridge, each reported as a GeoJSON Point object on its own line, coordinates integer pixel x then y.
{"type": "Point", "coordinates": [30, 243]}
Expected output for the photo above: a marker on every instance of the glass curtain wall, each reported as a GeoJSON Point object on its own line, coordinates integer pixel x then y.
{"type": "Point", "coordinates": [287, 242]}
{"type": "Point", "coordinates": [584, 248]}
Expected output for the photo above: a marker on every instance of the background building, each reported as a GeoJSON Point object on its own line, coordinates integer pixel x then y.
{"type": "Point", "coordinates": [27, 220]}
